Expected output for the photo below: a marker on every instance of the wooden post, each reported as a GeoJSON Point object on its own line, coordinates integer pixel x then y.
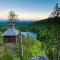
{"type": "Point", "coordinates": [21, 48]}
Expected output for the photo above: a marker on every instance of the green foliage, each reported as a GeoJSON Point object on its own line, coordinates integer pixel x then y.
{"type": "Point", "coordinates": [6, 55]}
{"type": "Point", "coordinates": [49, 30]}
{"type": "Point", "coordinates": [1, 38]}
{"type": "Point", "coordinates": [31, 48]}
{"type": "Point", "coordinates": [49, 44]}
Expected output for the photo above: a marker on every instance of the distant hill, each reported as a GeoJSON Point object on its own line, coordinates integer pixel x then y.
{"type": "Point", "coordinates": [46, 28]}
{"type": "Point", "coordinates": [32, 25]}
{"type": "Point", "coordinates": [45, 22]}
{"type": "Point", "coordinates": [18, 24]}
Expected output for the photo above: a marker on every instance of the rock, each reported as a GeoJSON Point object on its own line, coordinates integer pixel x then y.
{"type": "Point", "coordinates": [40, 58]}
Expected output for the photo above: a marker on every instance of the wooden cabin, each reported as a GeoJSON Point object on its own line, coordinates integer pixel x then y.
{"type": "Point", "coordinates": [11, 35]}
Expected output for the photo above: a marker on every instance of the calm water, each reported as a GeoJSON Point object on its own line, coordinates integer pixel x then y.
{"type": "Point", "coordinates": [30, 34]}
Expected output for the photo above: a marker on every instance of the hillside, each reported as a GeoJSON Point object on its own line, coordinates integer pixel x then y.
{"type": "Point", "coordinates": [18, 24]}
{"type": "Point", "coordinates": [45, 22]}
{"type": "Point", "coordinates": [48, 38]}
{"type": "Point", "coordinates": [48, 32]}
{"type": "Point", "coordinates": [30, 25]}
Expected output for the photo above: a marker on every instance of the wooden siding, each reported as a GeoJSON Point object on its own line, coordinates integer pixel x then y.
{"type": "Point", "coordinates": [10, 39]}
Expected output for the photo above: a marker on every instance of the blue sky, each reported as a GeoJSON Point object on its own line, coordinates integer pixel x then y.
{"type": "Point", "coordinates": [27, 9]}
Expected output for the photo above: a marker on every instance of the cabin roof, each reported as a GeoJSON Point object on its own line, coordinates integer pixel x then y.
{"type": "Point", "coordinates": [11, 32]}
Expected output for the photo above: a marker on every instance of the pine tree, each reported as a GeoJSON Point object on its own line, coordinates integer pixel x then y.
{"type": "Point", "coordinates": [56, 12]}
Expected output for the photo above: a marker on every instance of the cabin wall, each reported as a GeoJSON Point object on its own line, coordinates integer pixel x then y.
{"type": "Point", "coordinates": [10, 39]}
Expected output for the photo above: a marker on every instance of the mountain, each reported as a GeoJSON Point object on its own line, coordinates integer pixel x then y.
{"type": "Point", "coordinates": [47, 29]}
{"type": "Point", "coordinates": [32, 25]}
{"type": "Point", "coordinates": [17, 22]}
{"type": "Point", "coordinates": [45, 22]}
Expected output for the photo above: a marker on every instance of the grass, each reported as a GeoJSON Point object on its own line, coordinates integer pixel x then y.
{"type": "Point", "coordinates": [1, 39]}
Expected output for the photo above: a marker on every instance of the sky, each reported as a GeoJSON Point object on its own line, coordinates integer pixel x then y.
{"type": "Point", "coordinates": [27, 9]}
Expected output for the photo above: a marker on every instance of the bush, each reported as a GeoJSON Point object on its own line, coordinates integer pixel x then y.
{"type": "Point", "coordinates": [1, 38]}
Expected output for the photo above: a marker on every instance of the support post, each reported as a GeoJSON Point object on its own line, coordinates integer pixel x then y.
{"type": "Point", "coordinates": [21, 48]}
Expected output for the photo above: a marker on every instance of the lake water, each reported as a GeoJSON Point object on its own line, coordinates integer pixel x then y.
{"type": "Point", "coordinates": [30, 34]}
